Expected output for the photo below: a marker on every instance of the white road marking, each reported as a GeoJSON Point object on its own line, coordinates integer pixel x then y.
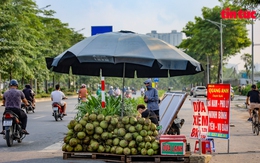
{"type": "Point", "coordinates": [38, 117]}
{"type": "Point", "coordinates": [53, 148]}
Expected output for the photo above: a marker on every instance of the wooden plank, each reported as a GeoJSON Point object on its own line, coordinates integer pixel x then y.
{"type": "Point", "coordinates": [107, 157]}
{"type": "Point", "coordinates": [157, 158]}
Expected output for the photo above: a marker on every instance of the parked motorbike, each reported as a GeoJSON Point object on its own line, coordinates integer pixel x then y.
{"type": "Point", "coordinates": [57, 111]}
{"type": "Point", "coordinates": [28, 108]}
{"type": "Point", "coordinates": [12, 127]}
{"type": "Point", "coordinates": [176, 126]}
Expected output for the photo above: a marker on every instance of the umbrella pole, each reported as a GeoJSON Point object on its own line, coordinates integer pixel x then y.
{"type": "Point", "coordinates": [123, 96]}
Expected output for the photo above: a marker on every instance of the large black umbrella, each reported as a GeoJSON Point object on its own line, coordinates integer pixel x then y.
{"type": "Point", "coordinates": [121, 54]}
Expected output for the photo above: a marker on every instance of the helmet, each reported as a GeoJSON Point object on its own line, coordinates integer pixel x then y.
{"type": "Point", "coordinates": [83, 85]}
{"type": "Point", "coordinates": [13, 82]}
{"type": "Point", "coordinates": [28, 86]}
{"type": "Point", "coordinates": [111, 87]}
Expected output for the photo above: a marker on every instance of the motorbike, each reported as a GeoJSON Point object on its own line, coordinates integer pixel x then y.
{"type": "Point", "coordinates": [28, 108]}
{"type": "Point", "coordinates": [12, 127]}
{"type": "Point", "coordinates": [142, 93]}
{"type": "Point", "coordinates": [176, 127]}
{"type": "Point", "coordinates": [57, 111]}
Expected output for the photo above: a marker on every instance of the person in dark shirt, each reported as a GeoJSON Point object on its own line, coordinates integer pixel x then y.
{"type": "Point", "coordinates": [253, 101]}
{"type": "Point", "coordinates": [12, 101]}
{"type": "Point", "coordinates": [29, 94]}
{"type": "Point", "coordinates": [147, 114]}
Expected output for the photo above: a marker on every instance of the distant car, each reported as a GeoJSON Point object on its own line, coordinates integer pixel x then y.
{"type": "Point", "coordinates": [200, 91]}
{"type": "Point", "coordinates": [191, 91]}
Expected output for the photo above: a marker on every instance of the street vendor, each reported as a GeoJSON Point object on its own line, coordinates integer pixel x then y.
{"type": "Point", "coordinates": [147, 113]}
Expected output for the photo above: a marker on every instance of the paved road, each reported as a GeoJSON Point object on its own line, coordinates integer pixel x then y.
{"type": "Point", "coordinates": [45, 139]}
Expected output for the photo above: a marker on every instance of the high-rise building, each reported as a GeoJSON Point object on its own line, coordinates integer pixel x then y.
{"type": "Point", "coordinates": [174, 38]}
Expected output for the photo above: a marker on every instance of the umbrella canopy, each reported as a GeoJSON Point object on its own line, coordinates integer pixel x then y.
{"type": "Point", "coordinates": [122, 54]}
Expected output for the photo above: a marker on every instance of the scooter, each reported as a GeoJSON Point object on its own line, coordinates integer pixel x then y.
{"type": "Point", "coordinates": [176, 126]}
{"type": "Point", "coordinates": [28, 108]}
{"type": "Point", "coordinates": [12, 127]}
{"type": "Point", "coordinates": [57, 111]}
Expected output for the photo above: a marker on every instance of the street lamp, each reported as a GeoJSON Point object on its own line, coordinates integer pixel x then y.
{"type": "Point", "coordinates": [220, 25]}
{"type": "Point", "coordinates": [44, 7]}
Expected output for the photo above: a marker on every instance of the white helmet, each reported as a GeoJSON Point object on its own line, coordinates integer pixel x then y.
{"type": "Point", "coordinates": [83, 85]}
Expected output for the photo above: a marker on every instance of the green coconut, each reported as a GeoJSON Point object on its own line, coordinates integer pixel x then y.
{"type": "Point", "coordinates": [131, 129]}
{"type": "Point", "coordinates": [114, 121]}
{"type": "Point", "coordinates": [128, 137]}
{"type": "Point", "coordinates": [100, 117]}
{"type": "Point", "coordinates": [98, 130]}
{"type": "Point", "coordinates": [125, 120]}
{"type": "Point", "coordinates": [69, 148]}
{"type": "Point", "coordinates": [116, 141]}
{"type": "Point", "coordinates": [134, 151]}
{"type": "Point", "coordinates": [73, 142]}
{"type": "Point", "coordinates": [92, 117]}
{"type": "Point", "coordinates": [89, 126]}
{"type": "Point", "coordinates": [83, 122]}
{"type": "Point", "coordinates": [126, 151]}
{"type": "Point", "coordinates": [121, 132]}
{"type": "Point", "coordinates": [103, 124]}
{"type": "Point", "coordinates": [108, 118]}
{"type": "Point", "coordinates": [119, 150]}
{"type": "Point", "coordinates": [78, 127]}
{"type": "Point", "coordinates": [143, 133]}
{"type": "Point", "coordinates": [139, 127]}
{"type": "Point", "coordinates": [104, 135]}
{"type": "Point", "coordinates": [78, 148]}
{"type": "Point", "coordinates": [150, 152]}
{"type": "Point", "coordinates": [155, 145]}
{"type": "Point", "coordinates": [139, 138]}
{"type": "Point", "coordinates": [132, 144]}
{"type": "Point", "coordinates": [123, 143]}
{"type": "Point", "coordinates": [141, 120]}
{"type": "Point", "coordinates": [81, 135]}
{"type": "Point", "coordinates": [132, 120]}
{"type": "Point", "coordinates": [101, 149]}
{"type": "Point", "coordinates": [143, 151]}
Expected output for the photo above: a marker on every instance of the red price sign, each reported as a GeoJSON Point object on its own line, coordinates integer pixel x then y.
{"type": "Point", "coordinates": [218, 102]}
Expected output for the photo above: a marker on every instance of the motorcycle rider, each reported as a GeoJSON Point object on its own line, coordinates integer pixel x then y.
{"type": "Point", "coordinates": [142, 91]}
{"type": "Point", "coordinates": [12, 101]}
{"type": "Point", "coordinates": [58, 96]}
{"type": "Point", "coordinates": [29, 94]}
{"type": "Point", "coordinates": [83, 93]}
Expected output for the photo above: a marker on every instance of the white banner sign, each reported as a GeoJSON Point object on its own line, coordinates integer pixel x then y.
{"type": "Point", "coordinates": [200, 118]}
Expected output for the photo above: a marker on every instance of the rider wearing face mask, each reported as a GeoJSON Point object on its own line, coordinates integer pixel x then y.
{"type": "Point", "coordinates": [151, 97]}
{"type": "Point", "coordinates": [12, 101]}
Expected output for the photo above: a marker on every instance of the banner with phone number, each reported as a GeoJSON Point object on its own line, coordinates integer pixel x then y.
{"type": "Point", "coordinates": [218, 102]}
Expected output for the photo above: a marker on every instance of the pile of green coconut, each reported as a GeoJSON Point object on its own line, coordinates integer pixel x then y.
{"type": "Point", "coordinates": [126, 135]}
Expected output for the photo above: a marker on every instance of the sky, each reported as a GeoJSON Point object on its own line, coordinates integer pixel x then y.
{"type": "Point", "coordinates": [140, 16]}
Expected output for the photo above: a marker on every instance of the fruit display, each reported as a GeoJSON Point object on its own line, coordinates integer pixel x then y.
{"type": "Point", "coordinates": [125, 135]}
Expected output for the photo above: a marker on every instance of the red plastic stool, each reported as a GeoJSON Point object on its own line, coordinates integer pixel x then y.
{"type": "Point", "coordinates": [206, 147]}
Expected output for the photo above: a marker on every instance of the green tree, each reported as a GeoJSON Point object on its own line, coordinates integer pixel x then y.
{"type": "Point", "coordinates": [247, 58]}
{"type": "Point", "coordinates": [203, 37]}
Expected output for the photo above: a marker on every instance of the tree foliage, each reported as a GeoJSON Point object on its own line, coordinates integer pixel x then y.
{"type": "Point", "coordinates": [203, 38]}
{"type": "Point", "coordinates": [28, 35]}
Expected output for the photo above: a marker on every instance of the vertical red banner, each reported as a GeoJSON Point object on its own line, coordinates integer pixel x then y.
{"type": "Point", "coordinates": [218, 102]}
